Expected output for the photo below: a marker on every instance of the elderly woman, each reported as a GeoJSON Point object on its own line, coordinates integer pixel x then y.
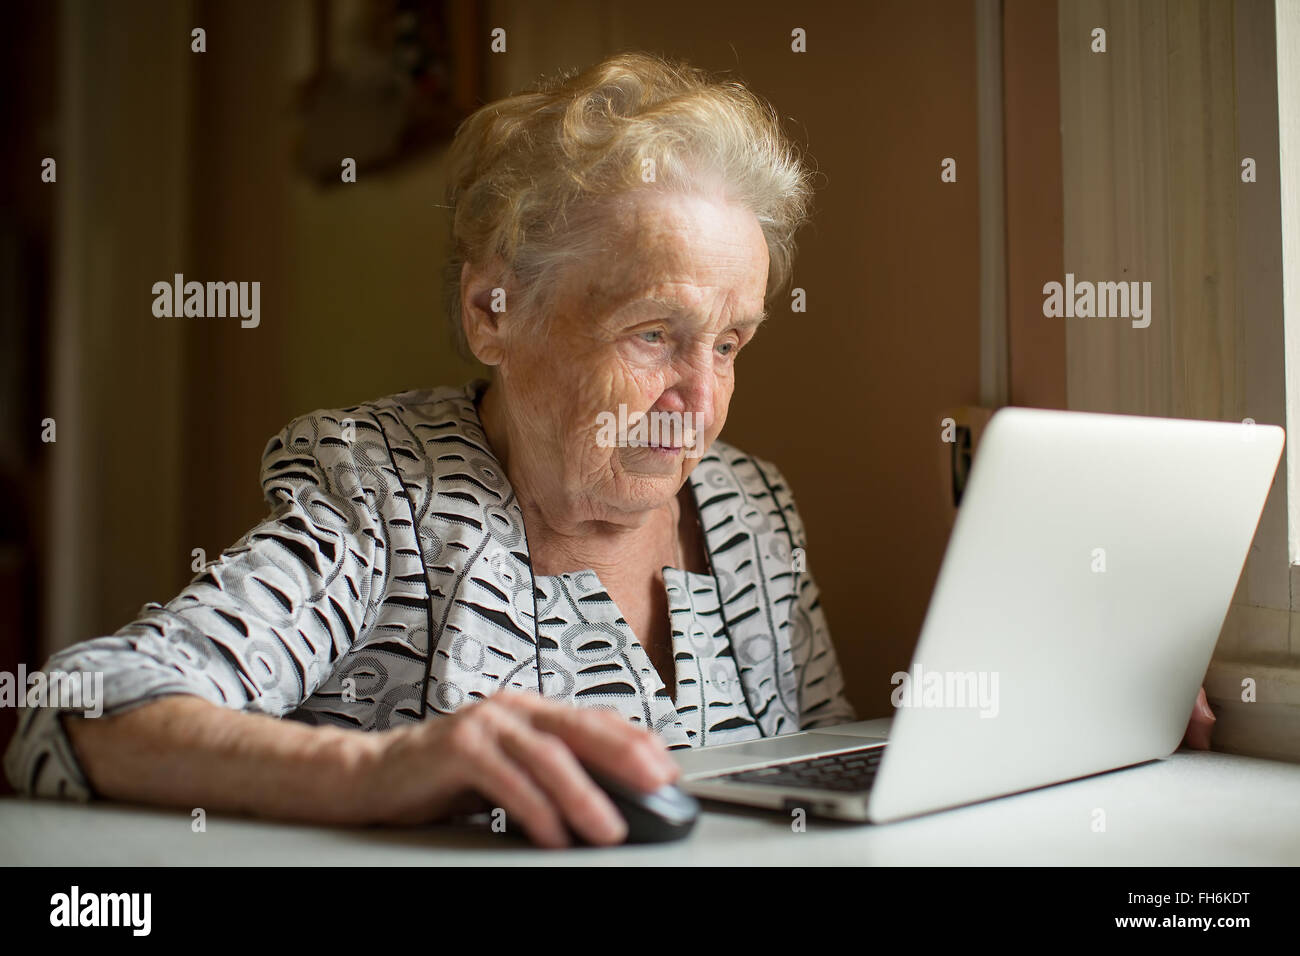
{"type": "Point", "coordinates": [490, 576]}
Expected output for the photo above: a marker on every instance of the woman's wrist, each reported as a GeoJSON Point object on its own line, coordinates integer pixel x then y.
{"type": "Point", "coordinates": [353, 760]}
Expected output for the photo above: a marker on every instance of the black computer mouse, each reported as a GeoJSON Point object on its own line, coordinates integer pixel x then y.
{"type": "Point", "coordinates": [666, 814]}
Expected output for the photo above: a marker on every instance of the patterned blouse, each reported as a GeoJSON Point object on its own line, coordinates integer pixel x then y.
{"type": "Point", "coordinates": [391, 583]}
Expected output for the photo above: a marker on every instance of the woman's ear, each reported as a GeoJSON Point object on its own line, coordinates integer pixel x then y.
{"type": "Point", "coordinates": [484, 305]}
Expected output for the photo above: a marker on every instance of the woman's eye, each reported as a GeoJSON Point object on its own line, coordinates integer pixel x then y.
{"type": "Point", "coordinates": [654, 338]}
{"type": "Point", "coordinates": [727, 348]}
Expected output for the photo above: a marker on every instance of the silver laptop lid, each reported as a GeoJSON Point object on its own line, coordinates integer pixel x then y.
{"type": "Point", "coordinates": [1080, 599]}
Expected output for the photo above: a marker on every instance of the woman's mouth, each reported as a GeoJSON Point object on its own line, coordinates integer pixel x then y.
{"type": "Point", "coordinates": [666, 450]}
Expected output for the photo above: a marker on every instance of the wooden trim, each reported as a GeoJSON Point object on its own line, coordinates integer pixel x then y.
{"type": "Point", "coordinates": [993, 233]}
{"type": "Point", "coordinates": [1034, 216]}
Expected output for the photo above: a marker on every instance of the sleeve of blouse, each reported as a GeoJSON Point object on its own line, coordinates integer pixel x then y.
{"type": "Point", "coordinates": [822, 701]}
{"type": "Point", "coordinates": [258, 629]}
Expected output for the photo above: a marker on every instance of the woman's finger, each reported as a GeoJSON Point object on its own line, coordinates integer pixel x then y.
{"type": "Point", "coordinates": [548, 760]}
{"type": "Point", "coordinates": [1200, 724]}
{"type": "Point", "coordinates": [502, 782]}
{"type": "Point", "coordinates": [605, 741]}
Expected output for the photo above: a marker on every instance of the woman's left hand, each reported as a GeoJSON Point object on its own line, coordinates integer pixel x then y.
{"type": "Point", "coordinates": [1200, 725]}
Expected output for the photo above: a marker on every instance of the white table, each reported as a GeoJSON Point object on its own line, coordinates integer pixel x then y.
{"type": "Point", "coordinates": [1190, 809]}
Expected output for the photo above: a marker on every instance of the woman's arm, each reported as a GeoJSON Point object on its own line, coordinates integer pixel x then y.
{"type": "Point", "coordinates": [260, 628]}
{"type": "Point", "coordinates": [182, 751]}
{"type": "Point", "coordinates": [518, 752]}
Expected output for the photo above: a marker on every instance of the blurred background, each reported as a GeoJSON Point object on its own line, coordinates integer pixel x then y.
{"type": "Point", "coordinates": [925, 293]}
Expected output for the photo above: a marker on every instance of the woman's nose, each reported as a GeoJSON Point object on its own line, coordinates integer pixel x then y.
{"type": "Point", "coordinates": [693, 392]}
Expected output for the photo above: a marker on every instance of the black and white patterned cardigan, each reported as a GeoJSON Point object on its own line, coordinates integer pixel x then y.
{"type": "Point", "coordinates": [392, 583]}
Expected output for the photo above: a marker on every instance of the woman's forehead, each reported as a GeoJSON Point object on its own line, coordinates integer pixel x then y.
{"type": "Point", "coordinates": [669, 247]}
{"type": "Point", "coordinates": [687, 298]}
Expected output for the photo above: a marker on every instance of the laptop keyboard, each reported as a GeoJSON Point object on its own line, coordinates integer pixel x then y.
{"type": "Point", "coordinates": [851, 772]}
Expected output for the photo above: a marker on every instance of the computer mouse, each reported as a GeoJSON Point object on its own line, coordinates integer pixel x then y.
{"type": "Point", "coordinates": [666, 814]}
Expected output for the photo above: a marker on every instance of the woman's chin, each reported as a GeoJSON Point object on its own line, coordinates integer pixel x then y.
{"type": "Point", "coordinates": [645, 490]}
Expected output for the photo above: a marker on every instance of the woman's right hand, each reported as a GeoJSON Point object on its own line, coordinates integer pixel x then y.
{"type": "Point", "coordinates": [518, 752]}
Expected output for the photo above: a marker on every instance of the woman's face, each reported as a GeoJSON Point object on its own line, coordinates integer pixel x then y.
{"type": "Point", "coordinates": [654, 326]}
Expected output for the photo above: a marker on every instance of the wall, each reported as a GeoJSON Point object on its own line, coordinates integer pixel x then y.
{"type": "Point", "coordinates": [117, 390]}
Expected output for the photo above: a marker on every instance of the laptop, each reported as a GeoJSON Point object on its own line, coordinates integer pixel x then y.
{"type": "Point", "coordinates": [1081, 596]}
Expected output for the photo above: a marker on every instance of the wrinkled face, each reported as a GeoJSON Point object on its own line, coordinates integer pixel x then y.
{"type": "Point", "coordinates": [653, 327]}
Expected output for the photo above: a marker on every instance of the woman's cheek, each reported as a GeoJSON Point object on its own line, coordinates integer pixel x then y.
{"type": "Point", "coordinates": [637, 388]}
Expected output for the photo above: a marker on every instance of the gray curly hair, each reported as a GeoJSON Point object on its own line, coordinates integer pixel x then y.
{"type": "Point", "coordinates": [529, 174]}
